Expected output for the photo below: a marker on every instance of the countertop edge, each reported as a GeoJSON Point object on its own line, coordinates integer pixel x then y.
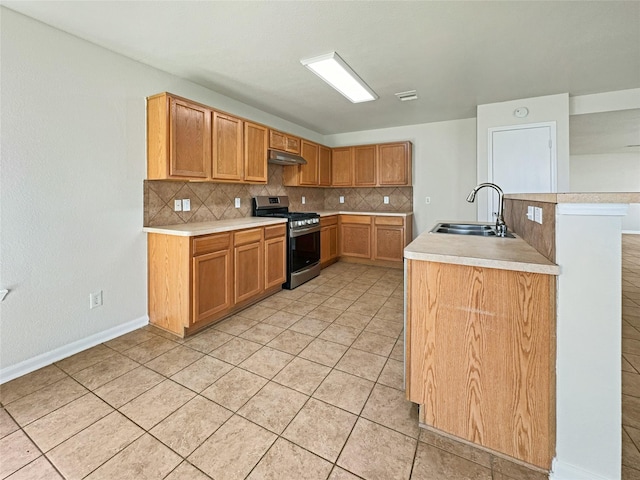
{"type": "Point", "coordinates": [484, 262]}
{"type": "Point", "coordinates": [218, 226]}
{"type": "Point", "coordinates": [328, 213]}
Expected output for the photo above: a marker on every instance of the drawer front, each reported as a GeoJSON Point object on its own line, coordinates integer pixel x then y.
{"type": "Point", "coordinates": [211, 243]}
{"type": "Point", "coordinates": [247, 236]}
{"type": "Point", "coordinates": [364, 219]}
{"type": "Point", "coordinates": [389, 221]}
{"type": "Point", "coordinates": [275, 231]}
{"type": "Point", "coordinates": [326, 221]}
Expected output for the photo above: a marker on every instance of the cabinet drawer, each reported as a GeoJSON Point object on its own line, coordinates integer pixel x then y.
{"type": "Point", "coordinates": [364, 219]}
{"type": "Point", "coordinates": [247, 236]}
{"type": "Point", "coordinates": [211, 243]}
{"type": "Point", "coordinates": [274, 231]}
{"type": "Point", "coordinates": [326, 221]}
{"type": "Point", "coordinates": [389, 221]}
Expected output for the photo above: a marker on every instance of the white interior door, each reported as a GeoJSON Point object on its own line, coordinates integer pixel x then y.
{"type": "Point", "coordinates": [522, 159]}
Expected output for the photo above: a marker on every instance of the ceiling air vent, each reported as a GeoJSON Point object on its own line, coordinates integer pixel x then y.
{"type": "Point", "coordinates": [406, 96]}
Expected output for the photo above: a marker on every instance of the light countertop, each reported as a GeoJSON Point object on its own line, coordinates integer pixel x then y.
{"type": "Point", "coordinates": [590, 197]}
{"type": "Point", "coordinates": [218, 226]}
{"type": "Point", "coordinates": [476, 251]}
{"type": "Point", "coordinates": [327, 213]}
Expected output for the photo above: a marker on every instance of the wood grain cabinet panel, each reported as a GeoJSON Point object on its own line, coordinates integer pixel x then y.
{"type": "Point", "coordinates": [213, 282]}
{"type": "Point", "coordinates": [342, 167]}
{"type": "Point", "coordinates": [481, 356]}
{"type": "Point", "coordinates": [324, 166]}
{"type": "Point", "coordinates": [309, 172]}
{"type": "Point", "coordinates": [328, 240]}
{"type": "Point", "coordinates": [389, 242]}
{"type": "Point", "coordinates": [394, 164]}
{"type": "Point", "coordinates": [227, 158]}
{"type": "Point", "coordinates": [248, 264]}
{"type": "Point", "coordinates": [355, 236]}
{"type": "Point", "coordinates": [255, 152]}
{"type": "Point", "coordinates": [178, 139]}
{"type": "Point", "coordinates": [284, 142]}
{"type": "Point", "coordinates": [365, 166]}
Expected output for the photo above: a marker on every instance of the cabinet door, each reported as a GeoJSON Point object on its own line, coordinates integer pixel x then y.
{"type": "Point", "coordinates": [212, 281]}
{"type": "Point", "coordinates": [227, 158]}
{"type": "Point", "coordinates": [388, 238]}
{"type": "Point", "coordinates": [325, 166]}
{"type": "Point", "coordinates": [333, 242]}
{"type": "Point", "coordinates": [308, 174]}
{"type": "Point", "coordinates": [364, 165]}
{"type": "Point", "coordinates": [275, 262]}
{"type": "Point", "coordinates": [389, 243]}
{"type": "Point", "coordinates": [255, 152]}
{"type": "Point", "coordinates": [190, 140]}
{"type": "Point", "coordinates": [355, 236]}
{"type": "Point", "coordinates": [342, 167]}
{"type": "Point", "coordinates": [480, 354]}
{"type": "Point", "coordinates": [248, 267]}
{"type": "Point", "coordinates": [325, 241]}
{"type": "Point", "coordinates": [394, 164]}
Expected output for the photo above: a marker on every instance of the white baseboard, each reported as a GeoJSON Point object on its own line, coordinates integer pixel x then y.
{"type": "Point", "coordinates": [566, 471]}
{"type": "Point", "coordinates": [39, 361]}
{"type": "Point", "coordinates": [630, 232]}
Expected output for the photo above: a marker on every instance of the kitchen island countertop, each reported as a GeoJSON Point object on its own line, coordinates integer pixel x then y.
{"type": "Point", "coordinates": [490, 252]}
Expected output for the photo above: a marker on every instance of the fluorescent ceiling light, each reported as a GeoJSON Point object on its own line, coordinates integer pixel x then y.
{"type": "Point", "coordinates": [335, 71]}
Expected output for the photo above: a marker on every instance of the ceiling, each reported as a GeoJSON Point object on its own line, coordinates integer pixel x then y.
{"type": "Point", "coordinates": [456, 54]}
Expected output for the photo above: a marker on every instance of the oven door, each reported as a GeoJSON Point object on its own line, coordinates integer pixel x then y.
{"type": "Point", "coordinates": [304, 256]}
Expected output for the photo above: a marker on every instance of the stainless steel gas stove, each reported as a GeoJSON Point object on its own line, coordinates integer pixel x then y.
{"type": "Point", "coordinates": [303, 238]}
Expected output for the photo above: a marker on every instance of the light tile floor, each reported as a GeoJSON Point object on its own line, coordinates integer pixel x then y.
{"type": "Point", "coordinates": [307, 384]}
{"type": "Point", "coordinates": [631, 357]}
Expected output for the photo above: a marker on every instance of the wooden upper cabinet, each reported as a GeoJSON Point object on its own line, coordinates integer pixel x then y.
{"type": "Point", "coordinates": [364, 165]}
{"type": "Point", "coordinates": [394, 164]}
{"type": "Point", "coordinates": [284, 142]}
{"type": "Point", "coordinates": [309, 173]}
{"type": "Point", "coordinates": [342, 167]}
{"type": "Point", "coordinates": [255, 152]}
{"type": "Point", "coordinates": [178, 138]}
{"type": "Point", "coordinates": [324, 168]}
{"type": "Point", "coordinates": [227, 158]}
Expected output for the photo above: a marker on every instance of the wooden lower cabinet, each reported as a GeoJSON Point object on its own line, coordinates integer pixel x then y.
{"type": "Point", "coordinates": [275, 256]}
{"type": "Point", "coordinates": [194, 281]}
{"type": "Point", "coordinates": [379, 238]}
{"type": "Point", "coordinates": [480, 356]}
{"type": "Point", "coordinates": [355, 236]}
{"type": "Point", "coordinates": [328, 240]}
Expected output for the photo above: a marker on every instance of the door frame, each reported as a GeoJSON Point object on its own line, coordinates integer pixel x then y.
{"type": "Point", "coordinates": [553, 148]}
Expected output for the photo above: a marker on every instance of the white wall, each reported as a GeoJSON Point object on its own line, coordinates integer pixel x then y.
{"type": "Point", "coordinates": [444, 166]}
{"type": "Point", "coordinates": [73, 164]}
{"type": "Point", "coordinates": [550, 108]}
{"type": "Point", "coordinates": [615, 172]}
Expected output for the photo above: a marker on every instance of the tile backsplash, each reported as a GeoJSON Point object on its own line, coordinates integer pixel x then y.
{"type": "Point", "coordinates": [215, 201]}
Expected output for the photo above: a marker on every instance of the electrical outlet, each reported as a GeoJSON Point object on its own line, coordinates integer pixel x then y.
{"type": "Point", "coordinates": [237, 202]}
{"type": "Point", "coordinates": [537, 214]}
{"type": "Point", "coordinates": [186, 204]}
{"type": "Point", "coordinates": [530, 213]}
{"type": "Point", "coordinates": [341, 199]}
{"type": "Point", "coordinates": [427, 200]}
{"type": "Point", "coordinates": [385, 200]}
{"type": "Point", "coordinates": [177, 205]}
{"type": "Point", "coordinates": [95, 299]}
{"type": "Point", "coordinates": [304, 200]}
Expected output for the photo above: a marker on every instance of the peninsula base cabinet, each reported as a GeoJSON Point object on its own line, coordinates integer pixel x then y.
{"type": "Point", "coordinates": [195, 281]}
{"type": "Point", "coordinates": [480, 356]}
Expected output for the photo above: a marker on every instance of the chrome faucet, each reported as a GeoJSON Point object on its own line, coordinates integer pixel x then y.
{"type": "Point", "coordinates": [501, 227]}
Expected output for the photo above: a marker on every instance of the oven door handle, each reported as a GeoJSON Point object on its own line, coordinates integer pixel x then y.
{"type": "Point", "coordinates": [304, 231]}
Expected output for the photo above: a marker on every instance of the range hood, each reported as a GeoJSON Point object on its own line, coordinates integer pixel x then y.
{"type": "Point", "coordinates": [284, 158]}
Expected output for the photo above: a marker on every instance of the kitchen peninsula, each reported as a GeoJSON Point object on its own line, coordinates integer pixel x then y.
{"type": "Point", "coordinates": [516, 349]}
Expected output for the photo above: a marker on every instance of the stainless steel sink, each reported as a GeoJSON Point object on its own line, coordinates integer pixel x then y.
{"type": "Point", "coordinates": [482, 230]}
